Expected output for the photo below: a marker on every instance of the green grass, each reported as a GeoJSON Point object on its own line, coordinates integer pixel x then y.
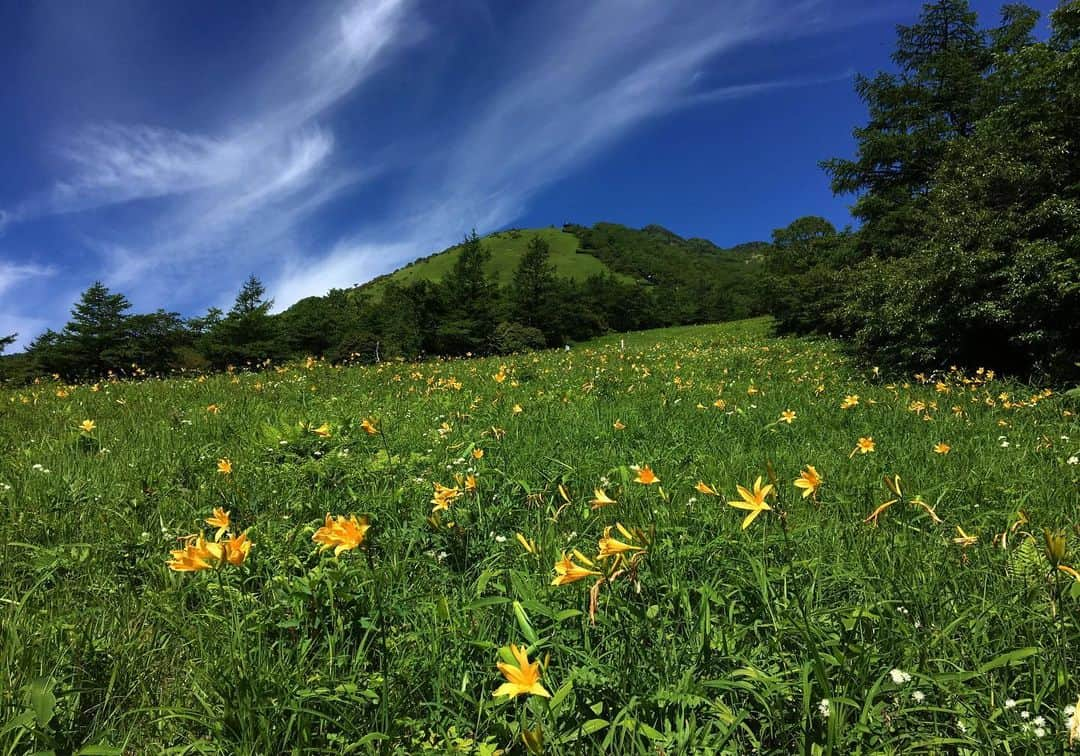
{"type": "Point", "coordinates": [507, 249]}
{"type": "Point", "coordinates": [714, 639]}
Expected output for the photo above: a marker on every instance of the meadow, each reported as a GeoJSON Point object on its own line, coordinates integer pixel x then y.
{"type": "Point", "coordinates": [321, 559]}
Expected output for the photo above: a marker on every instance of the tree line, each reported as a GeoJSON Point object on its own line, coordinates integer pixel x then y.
{"type": "Point", "coordinates": [465, 313]}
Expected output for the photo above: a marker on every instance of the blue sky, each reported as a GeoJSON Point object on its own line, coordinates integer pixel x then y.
{"type": "Point", "coordinates": [171, 148]}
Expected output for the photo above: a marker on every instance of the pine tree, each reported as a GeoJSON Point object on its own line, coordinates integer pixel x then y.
{"type": "Point", "coordinates": [250, 299]}
{"type": "Point", "coordinates": [249, 334]}
{"type": "Point", "coordinates": [470, 299]}
{"type": "Point", "coordinates": [92, 342]}
{"type": "Point", "coordinates": [534, 285]}
{"type": "Point", "coordinates": [934, 99]}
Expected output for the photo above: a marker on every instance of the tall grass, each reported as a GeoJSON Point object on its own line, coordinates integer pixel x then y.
{"type": "Point", "coordinates": [811, 630]}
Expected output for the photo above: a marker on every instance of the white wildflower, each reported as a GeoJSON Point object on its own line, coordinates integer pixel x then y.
{"type": "Point", "coordinates": [918, 696]}
{"type": "Point", "coordinates": [899, 676]}
{"type": "Point", "coordinates": [824, 708]}
{"type": "Point", "coordinates": [1010, 703]}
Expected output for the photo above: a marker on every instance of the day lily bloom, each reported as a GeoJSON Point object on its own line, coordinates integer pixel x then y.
{"type": "Point", "coordinates": [787, 416]}
{"type": "Point", "coordinates": [619, 425]}
{"type": "Point", "coordinates": [1056, 546]}
{"type": "Point", "coordinates": [754, 501]}
{"type": "Point", "coordinates": [517, 410]}
{"type": "Point", "coordinates": [478, 453]}
{"type": "Point", "coordinates": [522, 679]}
{"type": "Point", "coordinates": [865, 446]}
{"type": "Point", "coordinates": [872, 519]}
{"type": "Point", "coordinates": [963, 539]}
{"type": "Point", "coordinates": [444, 497]}
{"type": "Point", "coordinates": [369, 426]}
{"type": "Point", "coordinates": [601, 499]}
{"type": "Point", "coordinates": [567, 572]}
{"type": "Point", "coordinates": [224, 466]}
{"type": "Point", "coordinates": [323, 431]}
{"type": "Point", "coordinates": [213, 409]}
{"type": "Point", "coordinates": [1069, 571]}
{"type": "Point", "coordinates": [917, 501]}
{"type": "Point", "coordinates": [500, 376]}
{"type": "Point", "coordinates": [470, 483]}
{"type": "Point", "coordinates": [941, 448]}
{"type": "Point", "coordinates": [612, 547]}
{"type": "Point", "coordinates": [196, 555]}
{"type": "Point", "coordinates": [237, 549]}
{"type": "Point", "coordinates": [705, 488]}
{"type": "Point", "coordinates": [529, 546]}
{"type": "Point", "coordinates": [646, 476]}
{"type": "Point", "coordinates": [809, 480]}
{"type": "Point", "coordinates": [851, 400]}
{"type": "Point", "coordinates": [219, 520]}
{"type": "Point", "coordinates": [341, 533]}
{"type": "Point", "coordinates": [87, 426]}
{"type": "Point", "coordinates": [893, 484]}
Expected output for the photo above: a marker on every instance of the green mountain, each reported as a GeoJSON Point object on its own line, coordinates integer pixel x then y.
{"type": "Point", "coordinates": [507, 248]}
{"type": "Point", "coordinates": [650, 256]}
{"type": "Point", "coordinates": [597, 279]}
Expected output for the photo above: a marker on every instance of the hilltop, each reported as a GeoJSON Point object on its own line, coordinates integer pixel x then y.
{"type": "Point", "coordinates": [652, 255]}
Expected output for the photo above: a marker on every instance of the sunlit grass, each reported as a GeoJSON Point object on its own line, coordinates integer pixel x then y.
{"type": "Point", "coordinates": [898, 599]}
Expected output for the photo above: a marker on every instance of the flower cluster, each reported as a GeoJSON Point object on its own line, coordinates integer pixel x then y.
{"type": "Point", "coordinates": [198, 554]}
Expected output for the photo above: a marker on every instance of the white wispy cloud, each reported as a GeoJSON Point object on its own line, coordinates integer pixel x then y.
{"type": "Point", "coordinates": [16, 273]}
{"type": "Point", "coordinates": [236, 198]}
{"type": "Point", "coordinates": [242, 191]}
{"type": "Point", "coordinates": [14, 276]}
{"type": "Point", "coordinates": [568, 96]}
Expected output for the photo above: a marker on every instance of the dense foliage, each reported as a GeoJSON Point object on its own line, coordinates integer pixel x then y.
{"type": "Point", "coordinates": [646, 278]}
{"type": "Point", "coordinates": [968, 186]}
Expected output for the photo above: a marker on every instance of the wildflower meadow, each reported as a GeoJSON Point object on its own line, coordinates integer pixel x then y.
{"type": "Point", "coordinates": [694, 540]}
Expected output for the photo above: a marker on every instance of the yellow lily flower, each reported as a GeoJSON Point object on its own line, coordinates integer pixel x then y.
{"type": "Point", "coordinates": [754, 501]}
{"type": "Point", "coordinates": [341, 533]}
{"type": "Point", "coordinates": [522, 679]}
{"type": "Point", "coordinates": [219, 520]}
{"type": "Point", "coordinates": [601, 499]}
{"type": "Point", "coordinates": [567, 572]}
{"type": "Point", "coordinates": [809, 480]}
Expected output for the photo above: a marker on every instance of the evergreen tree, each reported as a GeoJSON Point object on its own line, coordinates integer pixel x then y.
{"type": "Point", "coordinates": [92, 343]}
{"type": "Point", "coordinates": [248, 334]}
{"type": "Point", "coordinates": [7, 341]}
{"type": "Point", "coordinates": [914, 114]}
{"type": "Point", "coordinates": [471, 299]}
{"type": "Point", "coordinates": [533, 288]}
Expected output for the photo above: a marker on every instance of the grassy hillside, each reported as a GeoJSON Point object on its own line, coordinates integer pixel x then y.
{"type": "Point", "coordinates": [883, 613]}
{"type": "Point", "coordinates": [507, 248]}
{"type": "Point", "coordinates": [651, 255]}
